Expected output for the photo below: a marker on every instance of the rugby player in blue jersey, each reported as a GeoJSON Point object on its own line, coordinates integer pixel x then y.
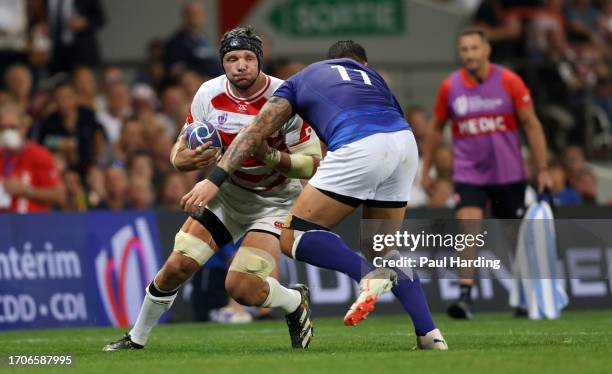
{"type": "Point", "coordinates": [371, 161]}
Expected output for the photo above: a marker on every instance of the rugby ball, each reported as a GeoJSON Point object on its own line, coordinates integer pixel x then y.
{"type": "Point", "coordinates": [200, 132]}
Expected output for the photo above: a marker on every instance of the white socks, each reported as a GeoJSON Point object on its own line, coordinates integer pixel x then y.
{"type": "Point", "coordinates": [281, 297]}
{"type": "Point", "coordinates": [155, 303]}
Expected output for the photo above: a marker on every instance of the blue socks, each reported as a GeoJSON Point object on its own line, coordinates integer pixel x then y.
{"type": "Point", "coordinates": [327, 250]}
{"type": "Point", "coordinates": [410, 295]}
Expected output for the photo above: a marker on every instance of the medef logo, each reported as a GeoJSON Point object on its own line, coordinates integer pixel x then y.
{"type": "Point", "coordinates": [125, 271]}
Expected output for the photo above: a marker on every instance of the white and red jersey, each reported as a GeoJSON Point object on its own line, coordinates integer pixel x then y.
{"type": "Point", "coordinates": [215, 103]}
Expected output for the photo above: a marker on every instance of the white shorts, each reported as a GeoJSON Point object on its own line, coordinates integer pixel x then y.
{"type": "Point", "coordinates": [241, 210]}
{"type": "Point", "coordinates": [380, 167]}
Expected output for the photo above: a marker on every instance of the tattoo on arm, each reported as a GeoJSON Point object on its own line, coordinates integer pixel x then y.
{"type": "Point", "coordinates": [269, 120]}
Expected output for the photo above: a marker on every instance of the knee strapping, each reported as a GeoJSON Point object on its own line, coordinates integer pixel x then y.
{"type": "Point", "coordinates": [193, 247]}
{"type": "Point", "coordinates": [253, 261]}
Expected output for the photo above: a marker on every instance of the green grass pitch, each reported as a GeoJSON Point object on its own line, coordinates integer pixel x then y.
{"type": "Point", "coordinates": [581, 342]}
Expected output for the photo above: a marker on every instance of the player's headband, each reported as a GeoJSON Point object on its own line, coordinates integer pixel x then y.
{"type": "Point", "coordinates": [240, 43]}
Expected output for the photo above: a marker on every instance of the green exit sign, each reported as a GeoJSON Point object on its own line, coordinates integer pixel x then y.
{"type": "Point", "coordinates": [307, 18]}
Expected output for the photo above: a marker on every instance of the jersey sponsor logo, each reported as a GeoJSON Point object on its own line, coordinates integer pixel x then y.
{"type": "Point", "coordinates": [463, 104]}
{"type": "Point", "coordinates": [482, 126]}
{"type": "Point", "coordinates": [123, 272]}
{"type": "Point", "coordinates": [242, 107]}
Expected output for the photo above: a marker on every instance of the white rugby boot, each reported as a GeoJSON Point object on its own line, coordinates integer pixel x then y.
{"type": "Point", "coordinates": [371, 286]}
{"type": "Point", "coordinates": [432, 340]}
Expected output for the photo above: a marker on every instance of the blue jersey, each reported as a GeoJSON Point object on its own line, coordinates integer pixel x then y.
{"type": "Point", "coordinates": [343, 101]}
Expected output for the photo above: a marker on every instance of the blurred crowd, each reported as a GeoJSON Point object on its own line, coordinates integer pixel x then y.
{"type": "Point", "coordinates": [563, 50]}
{"type": "Point", "coordinates": [110, 135]}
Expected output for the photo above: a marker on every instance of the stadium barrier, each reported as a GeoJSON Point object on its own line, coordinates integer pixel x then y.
{"type": "Point", "coordinates": [90, 269]}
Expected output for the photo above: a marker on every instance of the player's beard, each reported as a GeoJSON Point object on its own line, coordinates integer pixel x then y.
{"type": "Point", "coordinates": [473, 69]}
{"type": "Point", "coordinates": [244, 85]}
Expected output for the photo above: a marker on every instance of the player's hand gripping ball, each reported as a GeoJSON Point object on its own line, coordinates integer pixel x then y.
{"type": "Point", "coordinates": [200, 132]}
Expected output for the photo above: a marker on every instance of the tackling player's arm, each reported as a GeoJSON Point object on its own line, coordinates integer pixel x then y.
{"type": "Point", "coordinates": [304, 154]}
{"type": "Point", "coordinates": [269, 120]}
{"type": "Point", "coordinates": [301, 163]}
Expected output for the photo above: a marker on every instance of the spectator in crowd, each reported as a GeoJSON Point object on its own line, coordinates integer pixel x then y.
{"type": "Point", "coordinates": [154, 73]}
{"type": "Point", "coordinates": [116, 186]}
{"type": "Point", "coordinates": [284, 68]}
{"type": "Point", "coordinates": [573, 161]}
{"type": "Point", "coordinates": [18, 80]}
{"type": "Point", "coordinates": [160, 151]}
{"type": "Point", "coordinates": [563, 193]}
{"type": "Point", "coordinates": [13, 34]}
{"type": "Point", "coordinates": [111, 74]}
{"type": "Point", "coordinates": [586, 184]}
{"type": "Point", "coordinates": [117, 109]}
{"type": "Point", "coordinates": [131, 140]}
{"type": "Point", "coordinates": [174, 107]}
{"type": "Point", "coordinates": [141, 166]}
{"type": "Point", "coordinates": [545, 33]}
{"type": "Point", "coordinates": [29, 181]}
{"type": "Point", "coordinates": [39, 40]}
{"type": "Point", "coordinates": [73, 26]}
{"type": "Point", "coordinates": [140, 191]}
{"type": "Point", "coordinates": [189, 48]}
{"type": "Point", "coordinates": [502, 28]}
{"type": "Point", "coordinates": [76, 197]}
{"type": "Point", "coordinates": [86, 87]}
{"type": "Point", "coordinates": [190, 81]}
{"type": "Point", "coordinates": [72, 130]}
{"type": "Point", "coordinates": [144, 103]}
{"type": "Point", "coordinates": [96, 187]}
{"type": "Point", "coordinates": [174, 187]}
{"type": "Point", "coordinates": [582, 20]}
{"type": "Point", "coordinates": [605, 21]}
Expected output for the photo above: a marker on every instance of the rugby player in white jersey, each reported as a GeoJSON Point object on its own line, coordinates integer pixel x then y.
{"type": "Point", "coordinates": [254, 204]}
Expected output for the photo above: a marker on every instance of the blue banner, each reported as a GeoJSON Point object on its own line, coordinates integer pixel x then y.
{"type": "Point", "coordinates": [75, 269]}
